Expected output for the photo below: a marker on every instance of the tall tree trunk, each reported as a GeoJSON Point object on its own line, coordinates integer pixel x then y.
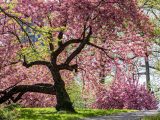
{"type": "Point", "coordinates": [148, 82]}
{"type": "Point", "coordinates": [63, 100]}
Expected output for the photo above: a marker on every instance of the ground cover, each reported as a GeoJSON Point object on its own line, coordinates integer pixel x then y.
{"type": "Point", "coordinates": [51, 114]}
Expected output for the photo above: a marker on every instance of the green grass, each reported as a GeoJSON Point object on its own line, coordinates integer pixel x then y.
{"type": "Point", "coordinates": [156, 117]}
{"type": "Point", "coordinates": [51, 114]}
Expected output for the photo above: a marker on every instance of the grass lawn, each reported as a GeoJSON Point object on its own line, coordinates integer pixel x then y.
{"type": "Point", "coordinates": [157, 117]}
{"type": "Point", "coordinates": [51, 114]}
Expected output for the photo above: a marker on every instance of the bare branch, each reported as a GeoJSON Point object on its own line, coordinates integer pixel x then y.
{"type": "Point", "coordinates": [152, 67]}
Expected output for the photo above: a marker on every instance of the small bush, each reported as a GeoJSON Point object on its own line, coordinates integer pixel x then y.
{"type": "Point", "coordinates": [9, 112]}
{"type": "Point", "coordinates": [13, 106]}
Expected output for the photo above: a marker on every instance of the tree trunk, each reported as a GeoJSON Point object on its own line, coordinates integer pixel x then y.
{"type": "Point", "coordinates": [148, 82]}
{"type": "Point", "coordinates": [63, 100]}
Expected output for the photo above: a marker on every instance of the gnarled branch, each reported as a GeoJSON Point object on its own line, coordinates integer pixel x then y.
{"type": "Point", "coordinates": [22, 89]}
{"type": "Point", "coordinates": [80, 47]}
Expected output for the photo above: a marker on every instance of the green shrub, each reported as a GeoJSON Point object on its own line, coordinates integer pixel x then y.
{"type": "Point", "coordinates": [13, 106]}
{"type": "Point", "coordinates": [9, 112]}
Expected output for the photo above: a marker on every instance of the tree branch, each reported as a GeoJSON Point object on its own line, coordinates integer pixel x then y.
{"type": "Point", "coordinates": [22, 89]}
{"type": "Point", "coordinates": [105, 51]}
{"type": "Point", "coordinates": [68, 67]}
{"type": "Point", "coordinates": [27, 65]}
{"type": "Point", "coordinates": [55, 54]}
{"type": "Point", "coordinates": [152, 67]}
{"type": "Point", "coordinates": [80, 47]}
{"type": "Point", "coordinates": [19, 22]}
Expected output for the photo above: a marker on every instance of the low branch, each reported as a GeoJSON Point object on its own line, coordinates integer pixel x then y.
{"type": "Point", "coordinates": [22, 89]}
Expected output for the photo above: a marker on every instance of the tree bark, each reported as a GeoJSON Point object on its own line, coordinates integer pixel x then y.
{"type": "Point", "coordinates": [63, 100]}
{"type": "Point", "coordinates": [148, 81]}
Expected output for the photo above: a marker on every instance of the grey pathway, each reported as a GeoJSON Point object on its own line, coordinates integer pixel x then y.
{"type": "Point", "coordinates": [126, 116]}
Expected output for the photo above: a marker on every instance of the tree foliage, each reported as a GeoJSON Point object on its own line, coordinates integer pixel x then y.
{"type": "Point", "coordinates": [126, 94]}
{"type": "Point", "coordinates": [96, 36]}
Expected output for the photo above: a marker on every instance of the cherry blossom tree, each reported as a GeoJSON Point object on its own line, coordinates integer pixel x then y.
{"type": "Point", "coordinates": [125, 92]}
{"type": "Point", "coordinates": [73, 34]}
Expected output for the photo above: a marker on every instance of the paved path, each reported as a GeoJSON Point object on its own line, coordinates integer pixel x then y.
{"type": "Point", "coordinates": [126, 116]}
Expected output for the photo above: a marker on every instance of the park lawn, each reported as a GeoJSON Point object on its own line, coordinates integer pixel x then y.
{"type": "Point", "coordinates": [156, 117]}
{"type": "Point", "coordinates": [51, 114]}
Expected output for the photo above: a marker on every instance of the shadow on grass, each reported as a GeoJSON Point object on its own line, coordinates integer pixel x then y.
{"type": "Point", "coordinates": [29, 114]}
{"type": "Point", "coordinates": [51, 114]}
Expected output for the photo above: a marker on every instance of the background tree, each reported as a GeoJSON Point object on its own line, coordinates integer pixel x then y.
{"type": "Point", "coordinates": [151, 8]}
